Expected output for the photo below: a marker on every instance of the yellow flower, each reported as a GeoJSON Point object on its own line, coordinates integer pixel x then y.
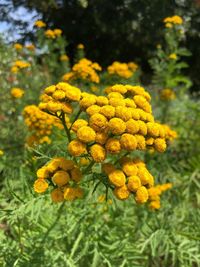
{"type": "Point", "coordinates": [101, 137]}
{"type": "Point", "coordinates": [128, 142]}
{"type": "Point", "coordinates": [167, 94]}
{"type": "Point", "coordinates": [86, 134]}
{"type": "Point", "coordinates": [84, 161]}
{"type": "Point", "coordinates": [42, 173]}
{"type": "Point", "coordinates": [98, 153]}
{"type": "Point", "coordinates": [122, 192]}
{"type": "Point", "coordinates": [122, 69]}
{"type": "Point", "coordinates": [76, 148]}
{"type": "Point", "coordinates": [57, 32]}
{"type": "Point", "coordinates": [60, 178]}
{"type": "Point", "coordinates": [117, 126]}
{"type": "Point", "coordinates": [80, 46]}
{"type": "Point", "coordinates": [18, 46]}
{"type": "Point", "coordinates": [174, 20]}
{"type": "Point", "coordinates": [173, 56]}
{"type": "Point", "coordinates": [57, 195]}
{"type": "Point", "coordinates": [134, 183]}
{"type": "Point", "coordinates": [1, 152]}
{"type": "Point", "coordinates": [64, 58]}
{"type": "Point", "coordinates": [17, 92]}
{"type": "Point", "coordinates": [76, 174]}
{"type": "Point", "coordinates": [40, 24]}
{"type": "Point", "coordinates": [113, 146]}
{"type": "Point", "coordinates": [101, 101]}
{"type": "Point", "coordinates": [98, 122]}
{"type": "Point", "coordinates": [141, 195]}
{"type": "Point", "coordinates": [117, 178]}
{"type": "Point", "coordinates": [92, 110]}
{"type": "Point", "coordinates": [71, 193]}
{"type": "Point", "coordinates": [108, 111]}
{"type": "Point", "coordinates": [129, 168]}
{"type": "Point", "coordinates": [40, 185]}
{"type": "Point", "coordinates": [160, 144]}
{"type": "Point", "coordinates": [145, 176]}
{"type": "Point", "coordinates": [50, 34]}
{"type": "Point", "coordinates": [132, 126]}
{"type": "Point", "coordinates": [123, 113]}
{"type": "Point", "coordinates": [155, 205]}
{"type": "Point", "coordinates": [78, 124]}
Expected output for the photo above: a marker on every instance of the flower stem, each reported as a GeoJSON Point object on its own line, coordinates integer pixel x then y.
{"type": "Point", "coordinates": [76, 117]}
{"type": "Point", "coordinates": [89, 167]}
{"type": "Point", "coordinates": [65, 127]}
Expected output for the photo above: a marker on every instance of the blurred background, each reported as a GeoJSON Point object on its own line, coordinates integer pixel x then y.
{"type": "Point", "coordinates": [110, 30]}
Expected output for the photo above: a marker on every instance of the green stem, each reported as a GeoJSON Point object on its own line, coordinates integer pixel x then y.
{"type": "Point", "coordinates": [65, 127]}
{"type": "Point", "coordinates": [76, 117]}
{"type": "Point", "coordinates": [89, 167]}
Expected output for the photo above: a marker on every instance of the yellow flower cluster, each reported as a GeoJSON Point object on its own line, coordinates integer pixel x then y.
{"type": "Point", "coordinates": [64, 58]}
{"type": "Point", "coordinates": [154, 194]}
{"type": "Point", "coordinates": [123, 70]}
{"type": "Point", "coordinates": [131, 178]}
{"type": "Point", "coordinates": [19, 64]}
{"type": "Point", "coordinates": [58, 98]}
{"type": "Point", "coordinates": [17, 92]}
{"type": "Point", "coordinates": [167, 94]}
{"type": "Point", "coordinates": [80, 46]}
{"type": "Point", "coordinates": [121, 121]}
{"type": "Point", "coordinates": [85, 70]}
{"type": "Point", "coordinates": [52, 34]}
{"type": "Point", "coordinates": [169, 133]}
{"type": "Point", "coordinates": [174, 20]}
{"type": "Point", "coordinates": [64, 176]}
{"type": "Point", "coordinates": [39, 24]}
{"type": "Point", "coordinates": [40, 124]}
{"type": "Point", "coordinates": [173, 56]}
{"type": "Point", "coordinates": [18, 46]}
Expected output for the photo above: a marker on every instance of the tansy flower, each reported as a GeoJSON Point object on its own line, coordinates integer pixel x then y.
{"type": "Point", "coordinates": [57, 195]}
{"type": "Point", "coordinates": [80, 46]}
{"type": "Point", "coordinates": [17, 92]}
{"type": "Point", "coordinates": [141, 195]}
{"type": "Point", "coordinates": [167, 94]}
{"type": "Point", "coordinates": [39, 24]}
{"type": "Point", "coordinates": [122, 192]}
{"type": "Point", "coordinates": [64, 58]}
{"type": "Point", "coordinates": [40, 185]}
{"type": "Point", "coordinates": [173, 56]}
{"type": "Point", "coordinates": [117, 178]}
{"type": "Point", "coordinates": [18, 46]}
{"type": "Point", "coordinates": [1, 152]}
{"type": "Point", "coordinates": [76, 148]}
{"type": "Point", "coordinates": [98, 153]}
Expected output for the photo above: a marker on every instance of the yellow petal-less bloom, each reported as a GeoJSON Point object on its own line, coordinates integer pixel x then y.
{"type": "Point", "coordinates": [42, 173]}
{"type": "Point", "coordinates": [1, 152]}
{"type": "Point", "coordinates": [108, 111]}
{"type": "Point", "coordinates": [173, 56]}
{"type": "Point", "coordinates": [101, 137]}
{"type": "Point", "coordinates": [128, 142]}
{"type": "Point", "coordinates": [39, 24]}
{"type": "Point", "coordinates": [64, 58]}
{"type": "Point", "coordinates": [98, 153]}
{"type": "Point", "coordinates": [50, 34]}
{"type": "Point", "coordinates": [77, 148]}
{"type": "Point", "coordinates": [167, 94]}
{"type": "Point", "coordinates": [113, 146]}
{"type": "Point", "coordinates": [57, 195]}
{"type": "Point", "coordinates": [17, 92]}
{"type": "Point", "coordinates": [117, 178]}
{"type": "Point", "coordinates": [86, 134]}
{"type": "Point", "coordinates": [93, 110]}
{"type": "Point", "coordinates": [40, 185]}
{"type": "Point", "coordinates": [98, 122]}
{"type": "Point", "coordinates": [133, 183]}
{"type": "Point", "coordinates": [176, 20]}
{"type": "Point", "coordinates": [18, 46]}
{"type": "Point", "coordinates": [132, 126]}
{"type": "Point", "coordinates": [76, 174]}
{"type": "Point", "coordinates": [160, 144]}
{"type": "Point", "coordinates": [141, 195]}
{"type": "Point", "coordinates": [117, 126]}
{"type": "Point", "coordinates": [78, 124]}
{"type": "Point", "coordinates": [129, 168]}
{"type": "Point", "coordinates": [57, 32]}
{"type": "Point", "coordinates": [61, 178]}
{"type": "Point", "coordinates": [80, 46]}
{"type": "Point", "coordinates": [122, 192]}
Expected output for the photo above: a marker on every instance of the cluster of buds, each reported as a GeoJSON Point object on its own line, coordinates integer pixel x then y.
{"type": "Point", "coordinates": [155, 193]}
{"type": "Point", "coordinates": [40, 124]}
{"type": "Point", "coordinates": [63, 176]}
{"type": "Point", "coordinates": [83, 70]}
{"type": "Point", "coordinates": [52, 34]}
{"type": "Point", "coordinates": [171, 21]}
{"type": "Point", "coordinates": [124, 70]}
{"type": "Point", "coordinates": [18, 65]}
{"type": "Point", "coordinates": [17, 92]}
